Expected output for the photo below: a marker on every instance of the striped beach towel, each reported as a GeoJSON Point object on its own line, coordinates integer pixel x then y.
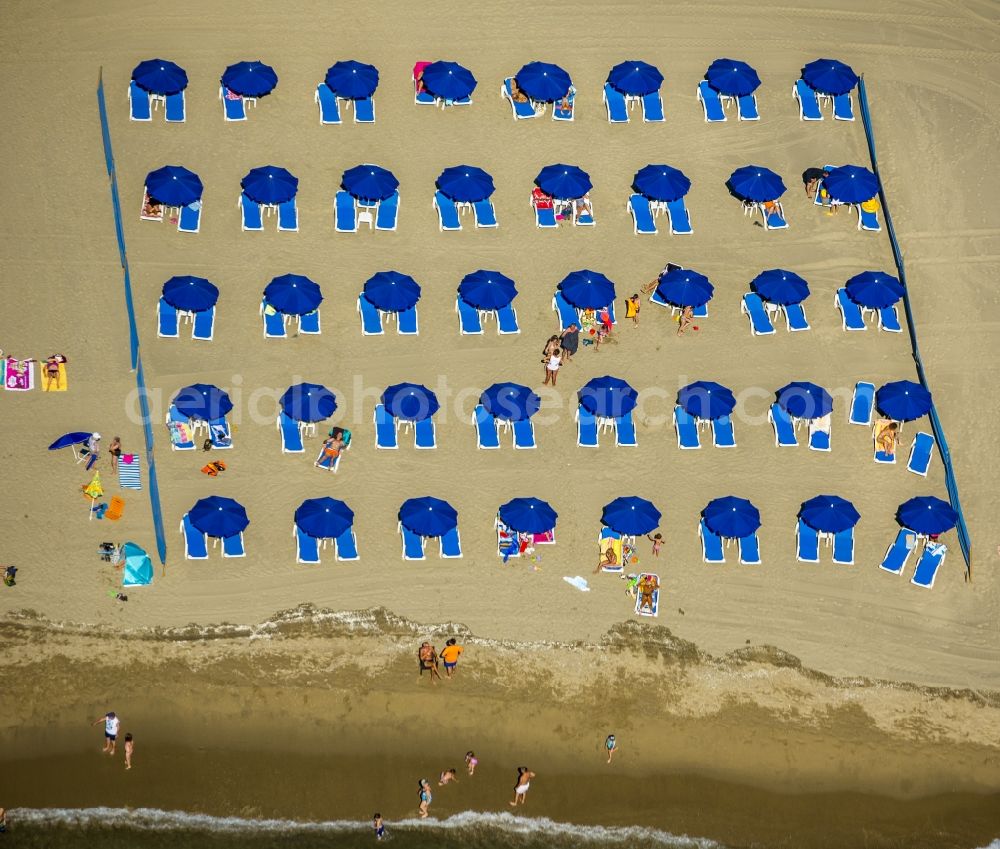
{"type": "Point", "coordinates": [128, 472]}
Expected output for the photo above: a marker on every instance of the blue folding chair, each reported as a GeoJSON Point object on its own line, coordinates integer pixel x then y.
{"type": "Point", "coordinates": [203, 328]}
{"type": "Point", "coordinates": [485, 214]}
{"type": "Point", "coordinates": [652, 108]}
{"type": "Point", "coordinates": [711, 102]}
{"type": "Point", "coordinates": [291, 435]}
{"type": "Point", "coordinates": [195, 546]}
{"type": "Point", "coordinates": [486, 428]}
{"type": "Point", "coordinates": [711, 545]}
{"type": "Point", "coordinates": [507, 320]}
{"type": "Point", "coordinates": [139, 103]}
{"type": "Point", "coordinates": [470, 323]}
{"type": "Point", "coordinates": [524, 434]}
{"type": "Point", "coordinates": [288, 216]}
{"type": "Point", "coordinates": [898, 553]}
{"type": "Point", "coordinates": [306, 547]}
{"type": "Point", "coordinates": [625, 431]}
{"type": "Point", "coordinates": [371, 318]}
{"type": "Point", "coordinates": [166, 320]}
{"type": "Point", "coordinates": [413, 545]}
{"type": "Point", "coordinates": [450, 546]}
{"type": "Point", "coordinates": [921, 451]}
{"type": "Point", "coordinates": [345, 218]}
{"type": "Point", "coordinates": [843, 547]}
{"type": "Point", "coordinates": [388, 212]}
{"type": "Point", "coordinates": [174, 109]}
{"type": "Point", "coordinates": [567, 312]}
{"type": "Point", "coordinates": [808, 102]}
{"type": "Point", "coordinates": [614, 100]}
{"type": "Point", "coordinates": [642, 216]}
{"type": "Point", "coordinates": [424, 434]}
{"type": "Point", "coordinates": [329, 109]}
{"type": "Point", "coordinates": [385, 428]}
{"type": "Point", "coordinates": [680, 220]}
{"type": "Point", "coordinates": [447, 213]}
{"type": "Point", "coordinates": [347, 545]}
{"type": "Point", "coordinates": [784, 430]}
{"type": "Point", "coordinates": [749, 550]}
{"type": "Point", "coordinates": [928, 565]}
{"type": "Point", "coordinates": [687, 429]}
{"type": "Point", "coordinates": [806, 543]}
{"type": "Point", "coordinates": [252, 219]}
{"type": "Point", "coordinates": [406, 322]}
{"type": "Point", "coordinates": [586, 428]}
{"type": "Point", "coordinates": [863, 404]}
{"type": "Point", "coordinates": [364, 111]}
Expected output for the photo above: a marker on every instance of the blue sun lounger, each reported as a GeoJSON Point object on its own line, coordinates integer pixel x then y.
{"type": "Point", "coordinates": [749, 550]}
{"type": "Point", "coordinates": [774, 220]}
{"type": "Point", "coordinates": [139, 103]}
{"type": "Point", "coordinates": [928, 564]}
{"type": "Point", "coordinates": [233, 109]}
{"type": "Point", "coordinates": [687, 429]}
{"type": "Point", "coordinates": [808, 102]}
{"type": "Point", "coordinates": [406, 322]}
{"type": "Point", "coordinates": [795, 318]}
{"type": "Point", "coordinates": [850, 312]}
{"type": "Point", "coordinates": [843, 107]}
{"type": "Point", "coordinates": [521, 109]}
{"type": "Point", "coordinates": [306, 547]}
{"type": "Point", "coordinates": [746, 107]}
{"type": "Point", "coordinates": [507, 321]}
{"type": "Point", "coordinates": [288, 216]}
{"type": "Point", "coordinates": [642, 216]}
{"type": "Point", "coordinates": [485, 214]}
{"type": "Point", "coordinates": [424, 435]}
{"type": "Point", "coordinates": [274, 322]}
{"type": "Point", "coordinates": [470, 323]}
{"type": "Point", "coordinates": [567, 312]}
{"type": "Point", "coordinates": [364, 110]}
{"type": "Point", "coordinates": [291, 435]}
{"type": "Point", "coordinates": [888, 320]}
{"type": "Point", "coordinates": [309, 324]}
{"type": "Point", "coordinates": [220, 434]}
{"type": "Point", "coordinates": [711, 102]}
{"type": "Point", "coordinates": [174, 109]}
{"type": "Point", "coordinates": [868, 220]}
{"type": "Point", "coordinates": [625, 431]}
{"type": "Point", "coordinates": [753, 308]}
{"type": "Point", "coordinates": [385, 428]}
{"type": "Point", "coordinates": [450, 546]}
{"type": "Point", "coordinates": [447, 213]}
{"type": "Point", "coordinates": [806, 543]}
{"type": "Point", "coordinates": [545, 216]}
{"type": "Point", "coordinates": [189, 221]}
{"type": "Point", "coordinates": [413, 545]}
{"type": "Point", "coordinates": [614, 100]}
{"type": "Point", "coordinates": [565, 114]}
{"type": "Point", "coordinates": [898, 553]}
{"type": "Point", "coordinates": [711, 545]}
{"type": "Point", "coordinates": [345, 219]}
{"type": "Point", "coordinates": [524, 434]}
{"type": "Point", "coordinates": [252, 219]}
{"type": "Point", "coordinates": [329, 109]}
{"type": "Point", "coordinates": [819, 440]}
{"type": "Point", "coordinates": [784, 430]}
{"type": "Point", "coordinates": [863, 404]}
{"type": "Point", "coordinates": [347, 545]}
{"type": "Point", "coordinates": [843, 547]}
{"type": "Point", "coordinates": [680, 220]}
{"type": "Point", "coordinates": [921, 451]}
{"type": "Point", "coordinates": [232, 546]}
{"type": "Point", "coordinates": [326, 461]}
{"type": "Point", "coordinates": [388, 212]}
{"type": "Point", "coordinates": [486, 428]}
{"type": "Point", "coordinates": [722, 432]}
{"type": "Point", "coordinates": [195, 546]}
{"type": "Point", "coordinates": [371, 318]}
{"type": "Point", "coordinates": [652, 108]}
{"type": "Point", "coordinates": [166, 320]}
{"type": "Point", "coordinates": [203, 328]}
{"type": "Point", "coordinates": [586, 428]}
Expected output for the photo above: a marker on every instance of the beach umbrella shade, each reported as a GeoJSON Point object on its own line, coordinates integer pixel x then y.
{"type": "Point", "coordinates": [159, 76]}
{"type": "Point", "coordinates": [631, 515]}
{"type": "Point", "coordinates": [174, 185]}
{"type": "Point", "coordinates": [829, 514]}
{"type": "Point", "coordinates": [465, 183]}
{"type": "Point", "coordinates": [927, 514]}
{"type": "Point", "coordinates": [352, 80]}
{"type": "Point", "coordinates": [566, 182]}
{"type": "Point", "coordinates": [874, 289]}
{"type": "Point", "coordinates": [251, 79]}
{"type": "Point", "coordinates": [608, 397]}
{"type": "Point", "coordinates": [138, 569]}
{"type": "Point", "coordinates": [427, 516]}
{"type": "Point", "coordinates": [293, 294]}
{"type": "Point", "coordinates": [587, 290]}
{"type": "Point", "coordinates": [270, 184]}
{"type": "Point", "coordinates": [685, 288]}
{"type": "Point", "coordinates": [732, 77]}
{"type": "Point", "coordinates": [528, 515]}
{"type": "Point", "coordinates": [756, 183]}
{"type": "Point", "coordinates": [851, 184]}
{"type": "Point", "coordinates": [510, 402]}
{"type": "Point", "coordinates": [487, 290]}
{"type": "Point", "coordinates": [780, 287]}
{"type": "Point", "coordinates": [705, 399]}
{"type": "Point", "coordinates": [805, 400]}
{"type": "Point", "coordinates": [369, 182]}
{"type": "Point", "coordinates": [392, 291]}
{"type": "Point", "coordinates": [191, 294]}
{"type": "Point", "coordinates": [202, 401]}
{"type": "Point", "coordinates": [731, 517]}
{"type": "Point", "coordinates": [448, 80]}
{"type": "Point", "coordinates": [543, 81]}
{"type": "Point", "coordinates": [829, 76]}
{"type": "Point", "coordinates": [308, 402]}
{"type": "Point", "coordinates": [661, 182]}
{"type": "Point", "coordinates": [903, 400]}
{"type": "Point", "coordinates": [77, 437]}
{"type": "Point", "coordinates": [411, 402]}
{"type": "Point", "coordinates": [324, 518]}
{"type": "Point", "coordinates": [218, 516]}
{"type": "Point", "coordinates": [635, 77]}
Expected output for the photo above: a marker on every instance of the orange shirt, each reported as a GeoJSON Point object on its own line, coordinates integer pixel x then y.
{"type": "Point", "coordinates": [449, 654]}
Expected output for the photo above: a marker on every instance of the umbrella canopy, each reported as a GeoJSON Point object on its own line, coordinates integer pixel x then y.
{"type": "Point", "coordinates": [805, 400]}
{"type": "Point", "coordinates": [731, 517]}
{"type": "Point", "coordinates": [661, 182]}
{"type": "Point", "coordinates": [635, 78]}
{"type": "Point", "coordinates": [685, 288]}
{"type": "Point", "coordinates": [369, 182]}
{"type": "Point", "coordinates": [543, 81]}
{"type": "Point", "coordinates": [528, 515]}
{"type": "Point", "coordinates": [270, 184]}
{"type": "Point", "coordinates": [829, 514]}
{"type": "Point", "coordinates": [874, 289]}
{"type": "Point", "coordinates": [510, 402]}
{"type": "Point", "coordinates": [411, 402]}
{"type": "Point", "coordinates": [587, 290]}
{"type": "Point", "coordinates": [705, 399]}
{"type": "Point", "coordinates": [732, 77]}
{"type": "Point", "coordinates": [138, 571]}
{"type": "Point", "coordinates": [202, 401]}
{"type": "Point", "coordinates": [608, 397]}
{"type": "Point", "coordinates": [448, 80]}
{"type": "Point", "coordinates": [427, 516]}
{"type": "Point", "coordinates": [159, 76]}
{"type": "Point", "coordinates": [631, 515]}
{"type": "Point", "coordinates": [392, 291]}
{"type": "Point", "coordinates": [903, 400]}
{"type": "Point", "coordinates": [293, 294]}
{"type": "Point", "coordinates": [566, 182]}
{"type": "Point", "coordinates": [465, 183]}
{"type": "Point", "coordinates": [352, 80]}
{"type": "Point", "coordinates": [77, 437]}
{"type": "Point", "coordinates": [251, 79]}
{"type": "Point", "coordinates": [851, 184]}
{"type": "Point", "coordinates": [192, 294]}
{"type": "Point", "coordinates": [756, 183]}
{"type": "Point", "coordinates": [780, 287]}
{"type": "Point", "coordinates": [828, 76]}
{"type": "Point", "coordinates": [174, 185]}
{"type": "Point", "coordinates": [308, 402]}
{"type": "Point", "coordinates": [218, 516]}
{"type": "Point", "coordinates": [927, 514]}
{"type": "Point", "coordinates": [94, 489]}
{"type": "Point", "coordinates": [487, 290]}
{"type": "Point", "coordinates": [324, 518]}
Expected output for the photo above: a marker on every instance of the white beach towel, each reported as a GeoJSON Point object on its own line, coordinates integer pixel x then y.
{"type": "Point", "coordinates": [578, 582]}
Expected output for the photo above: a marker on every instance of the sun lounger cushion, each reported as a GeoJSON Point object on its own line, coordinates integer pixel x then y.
{"type": "Point", "coordinates": [711, 102]}
{"type": "Point", "coordinates": [567, 312]}
{"type": "Point", "coordinates": [928, 565]}
{"type": "Point", "coordinates": [219, 433]}
{"type": "Point", "coordinates": [843, 107]}
{"type": "Point", "coordinates": [364, 111]}
{"type": "Point", "coordinates": [784, 430]}
{"type": "Point", "coordinates": [485, 213]}
{"type": "Point", "coordinates": [329, 109]}
{"type": "Point", "coordinates": [808, 102]}
{"type": "Point", "coordinates": [347, 545]}
{"type": "Point", "coordinates": [406, 322]}
{"type": "Point", "coordinates": [306, 547]}
{"type": "Point", "coordinates": [795, 317]}
{"type": "Point", "coordinates": [843, 547]}
{"type": "Point", "coordinates": [189, 220]}
{"type": "Point", "coordinates": [486, 428]}
{"type": "Point", "coordinates": [524, 434]}
{"type": "Point", "coordinates": [749, 550]}
{"type": "Point", "coordinates": [507, 320]}
{"type": "Point", "coordinates": [722, 432]}
{"type": "Point", "coordinates": [385, 218]}
{"type": "Point", "coordinates": [711, 545]}
{"type": "Point", "coordinates": [413, 545]}
{"type": "Point", "coordinates": [850, 312]}
{"type": "Point", "coordinates": [344, 213]}
{"type": "Point", "coordinates": [252, 219]}
{"type": "Point", "coordinates": [687, 429]}
{"type": "Point", "coordinates": [469, 320]}
{"type": "Point", "coordinates": [371, 319]}
{"type": "Point", "coordinates": [234, 107]}
{"type": "Point", "coordinates": [424, 435]}
{"type": "Point", "coordinates": [451, 544]}
{"type": "Point", "coordinates": [140, 108]}
{"type": "Point", "coordinates": [291, 435]}
{"type": "Point", "coordinates": [288, 216]}
{"type": "Point", "coordinates": [652, 108]}
{"type": "Point", "coordinates": [746, 108]}
{"type": "Point", "coordinates": [680, 220]}
{"type": "Point", "coordinates": [625, 431]}
{"type": "Point", "coordinates": [521, 109]}
{"type": "Point", "coordinates": [921, 452]}
{"type": "Point", "coordinates": [166, 324]}
{"type": "Point", "coordinates": [174, 109]}
{"type": "Point", "coordinates": [760, 321]}
{"type": "Point", "coordinates": [447, 213]}
{"type": "Point", "coordinates": [232, 546]}
{"type": "Point", "coordinates": [642, 216]}
{"type": "Point", "coordinates": [274, 322]}
{"type": "Point", "coordinates": [863, 403]}
{"type": "Point", "coordinates": [385, 428]}
{"type": "Point", "coordinates": [586, 428]}
{"type": "Point", "coordinates": [899, 552]}
{"type": "Point", "coordinates": [195, 547]}
{"type": "Point", "coordinates": [888, 320]}
{"type": "Point", "coordinates": [203, 328]}
{"type": "Point", "coordinates": [545, 216]}
{"type": "Point", "coordinates": [806, 544]}
{"type": "Point", "coordinates": [309, 323]}
{"type": "Point", "coordinates": [614, 100]}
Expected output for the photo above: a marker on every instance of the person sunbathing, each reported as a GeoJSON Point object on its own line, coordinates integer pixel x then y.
{"type": "Point", "coordinates": [648, 584]}
{"type": "Point", "coordinates": [541, 200]}
{"type": "Point", "coordinates": [608, 560]}
{"type": "Point", "coordinates": [151, 208]}
{"type": "Point", "coordinates": [52, 370]}
{"type": "Point", "coordinates": [332, 447]}
{"type": "Point", "coordinates": [685, 320]}
{"type": "Point", "coordinates": [888, 436]}
{"type": "Point", "coordinates": [516, 94]}
{"type": "Point", "coordinates": [567, 101]}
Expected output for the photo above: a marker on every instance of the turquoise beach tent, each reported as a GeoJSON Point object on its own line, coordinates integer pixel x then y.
{"type": "Point", "coordinates": [138, 571]}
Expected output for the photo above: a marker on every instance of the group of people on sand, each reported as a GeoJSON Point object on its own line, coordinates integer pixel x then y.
{"type": "Point", "coordinates": [564, 209]}
{"type": "Point", "coordinates": [428, 658]}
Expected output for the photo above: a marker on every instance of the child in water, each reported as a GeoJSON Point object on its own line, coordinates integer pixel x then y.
{"type": "Point", "coordinates": [471, 761]}
{"type": "Point", "coordinates": [378, 826]}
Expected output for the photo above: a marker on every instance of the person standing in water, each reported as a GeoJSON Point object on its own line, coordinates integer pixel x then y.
{"type": "Point", "coordinates": [129, 748]}
{"type": "Point", "coordinates": [611, 745]}
{"type": "Point", "coordinates": [111, 725]}
{"type": "Point", "coordinates": [378, 826]}
{"type": "Point", "coordinates": [524, 776]}
{"type": "Point", "coordinates": [472, 762]}
{"type": "Point", "coordinates": [425, 797]}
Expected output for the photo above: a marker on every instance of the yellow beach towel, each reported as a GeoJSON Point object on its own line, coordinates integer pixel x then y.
{"type": "Point", "coordinates": [59, 385]}
{"type": "Point", "coordinates": [616, 546]}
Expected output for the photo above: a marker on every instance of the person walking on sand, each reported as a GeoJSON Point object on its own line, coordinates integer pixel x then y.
{"type": "Point", "coordinates": [450, 654]}
{"type": "Point", "coordinates": [471, 761]}
{"type": "Point", "coordinates": [569, 342]}
{"type": "Point", "coordinates": [111, 724]}
{"type": "Point", "coordinates": [425, 797]}
{"type": "Point", "coordinates": [632, 307]}
{"type": "Point", "coordinates": [129, 748]}
{"type": "Point", "coordinates": [524, 776]}
{"type": "Point", "coordinates": [611, 745]}
{"type": "Point", "coordinates": [553, 366]}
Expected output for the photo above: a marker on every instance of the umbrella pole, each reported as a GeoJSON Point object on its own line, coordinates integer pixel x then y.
{"type": "Point", "coordinates": [93, 504]}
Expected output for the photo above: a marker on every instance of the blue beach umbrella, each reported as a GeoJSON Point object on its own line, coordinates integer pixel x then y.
{"type": "Point", "coordinates": [829, 76]}
{"type": "Point", "coordinates": [448, 80]}
{"type": "Point", "coordinates": [927, 514]}
{"type": "Point", "coordinates": [293, 294]}
{"type": "Point", "coordinates": [159, 76]}
{"type": "Point", "coordinates": [566, 182]}
{"type": "Point", "coordinates": [138, 570]}
{"type": "Point", "coordinates": [202, 401]}
{"type": "Point", "coordinates": [465, 183]}
{"type": "Point", "coordinates": [874, 289]}
{"type": "Point", "coordinates": [487, 290]}
{"type": "Point", "coordinates": [410, 402]}
{"type": "Point", "coordinates": [731, 517]}
{"type": "Point", "coordinates": [192, 294]}
{"type": "Point", "coordinates": [903, 400]}
{"type": "Point", "coordinates": [661, 182]}
{"type": "Point", "coordinates": [587, 290]}
{"type": "Point", "coordinates": [510, 402]}
{"type": "Point", "coordinates": [608, 397]}
{"type": "Point", "coordinates": [829, 514]}
{"type": "Point", "coordinates": [218, 516]}
{"type": "Point", "coordinates": [308, 402]}
{"type": "Point", "coordinates": [685, 288]}
{"type": "Point", "coordinates": [270, 184]}
{"type": "Point", "coordinates": [528, 515]}
{"type": "Point", "coordinates": [391, 291]}
{"type": "Point", "coordinates": [756, 183]}
{"type": "Point", "coordinates": [631, 515]}
{"type": "Point", "coordinates": [635, 77]}
{"type": "Point", "coordinates": [324, 518]}
{"type": "Point", "coordinates": [780, 287]}
{"type": "Point", "coordinates": [705, 399]}
{"type": "Point", "coordinates": [732, 77]}
{"type": "Point", "coordinates": [543, 81]}
{"type": "Point", "coordinates": [369, 182]}
{"type": "Point", "coordinates": [851, 184]}
{"type": "Point", "coordinates": [174, 185]}
{"type": "Point", "coordinates": [251, 79]}
{"type": "Point", "coordinates": [77, 437]}
{"type": "Point", "coordinates": [427, 516]}
{"type": "Point", "coordinates": [352, 80]}
{"type": "Point", "coordinates": [805, 400]}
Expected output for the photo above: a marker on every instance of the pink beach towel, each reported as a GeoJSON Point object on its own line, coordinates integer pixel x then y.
{"type": "Point", "coordinates": [19, 375]}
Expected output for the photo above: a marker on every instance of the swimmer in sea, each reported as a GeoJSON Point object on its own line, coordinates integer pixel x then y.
{"type": "Point", "coordinates": [447, 777]}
